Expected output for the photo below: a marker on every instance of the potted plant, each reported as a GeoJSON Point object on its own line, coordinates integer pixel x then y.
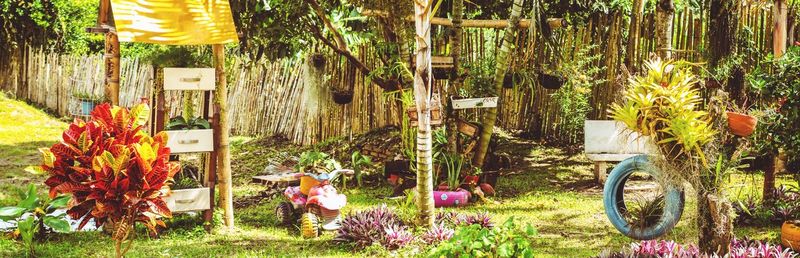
{"type": "Point", "coordinates": [342, 97]}
{"type": "Point", "coordinates": [87, 101]}
{"type": "Point", "coordinates": [551, 81]}
{"type": "Point", "coordinates": [189, 135]}
{"type": "Point", "coordinates": [790, 234]}
{"type": "Point", "coordinates": [741, 124]}
{"type": "Point", "coordinates": [449, 192]}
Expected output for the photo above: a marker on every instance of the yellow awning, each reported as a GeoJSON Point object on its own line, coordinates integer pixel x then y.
{"type": "Point", "coordinates": [174, 22]}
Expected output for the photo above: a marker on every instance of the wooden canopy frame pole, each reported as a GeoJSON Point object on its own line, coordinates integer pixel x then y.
{"type": "Point", "coordinates": [221, 131]}
{"type": "Point", "coordinates": [112, 63]}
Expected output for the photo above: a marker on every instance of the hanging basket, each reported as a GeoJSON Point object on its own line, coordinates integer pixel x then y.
{"type": "Point", "coordinates": [441, 73]}
{"type": "Point", "coordinates": [508, 81]}
{"type": "Point", "coordinates": [318, 60]}
{"type": "Point", "coordinates": [342, 97]}
{"type": "Point", "coordinates": [550, 81]}
{"type": "Point", "coordinates": [436, 112]}
{"type": "Point", "coordinates": [741, 124]}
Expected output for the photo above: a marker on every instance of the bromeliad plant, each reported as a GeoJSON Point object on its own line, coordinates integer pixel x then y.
{"type": "Point", "coordinates": [664, 104]}
{"type": "Point", "coordinates": [34, 216]}
{"type": "Point", "coordinates": [115, 172]}
{"type": "Point", "coordinates": [181, 123]}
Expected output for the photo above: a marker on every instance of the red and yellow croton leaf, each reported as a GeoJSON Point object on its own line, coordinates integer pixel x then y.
{"type": "Point", "coordinates": [111, 167]}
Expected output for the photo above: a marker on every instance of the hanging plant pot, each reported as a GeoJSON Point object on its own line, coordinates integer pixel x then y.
{"type": "Point", "coordinates": [467, 128]}
{"type": "Point", "coordinates": [318, 60]}
{"type": "Point", "coordinates": [342, 97]}
{"type": "Point", "coordinates": [441, 73]}
{"type": "Point", "coordinates": [508, 81]}
{"type": "Point", "coordinates": [741, 124]}
{"type": "Point", "coordinates": [550, 81]}
{"type": "Point", "coordinates": [790, 234]}
{"type": "Point", "coordinates": [456, 198]}
{"type": "Point", "coordinates": [712, 83]}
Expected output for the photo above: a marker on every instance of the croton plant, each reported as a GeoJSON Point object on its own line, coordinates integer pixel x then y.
{"type": "Point", "coordinates": [115, 172]}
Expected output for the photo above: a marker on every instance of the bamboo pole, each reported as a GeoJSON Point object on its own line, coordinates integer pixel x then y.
{"type": "Point", "coordinates": [221, 135]}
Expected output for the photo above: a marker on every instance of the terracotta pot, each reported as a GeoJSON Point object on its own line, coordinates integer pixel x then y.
{"type": "Point", "coordinates": [790, 235]}
{"type": "Point", "coordinates": [741, 124]}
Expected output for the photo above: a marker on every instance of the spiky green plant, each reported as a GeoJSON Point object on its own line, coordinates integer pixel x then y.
{"type": "Point", "coordinates": [664, 104]}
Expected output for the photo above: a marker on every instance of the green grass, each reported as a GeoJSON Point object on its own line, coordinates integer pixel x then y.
{"type": "Point", "coordinates": [548, 189]}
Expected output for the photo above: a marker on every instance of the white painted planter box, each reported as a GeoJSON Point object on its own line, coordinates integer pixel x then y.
{"type": "Point", "coordinates": [489, 102]}
{"type": "Point", "coordinates": [187, 141]}
{"type": "Point", "coordinates": [194, 199]}
{"type": "Point", "coordinates": [189, 79]}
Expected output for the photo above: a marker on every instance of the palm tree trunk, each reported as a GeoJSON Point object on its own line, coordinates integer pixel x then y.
{"type": "Point", "coordinates": [221, 133]}
{"type": "Point", "coordinates": [664, 11]}
{"type": "Point", "coordinates": [490, 117]}
{"type": "Point", "coordinates": [422, 97]}
{"type": "Point", "coordinates": [455, 76]}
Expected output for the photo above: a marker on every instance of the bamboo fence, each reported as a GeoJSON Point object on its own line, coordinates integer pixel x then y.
{"type": "Point", "coordinates": [289, 98]}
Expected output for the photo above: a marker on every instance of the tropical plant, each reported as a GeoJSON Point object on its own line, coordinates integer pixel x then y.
{"type": "Point", "coordinates": [507, 240]}
{"type": "Point", "coordinates": [437, 234]}
{"type": "Point", "coordinates": [87, 96]}
{"type": "Point", "coordinates": [643, 212]}
{"type": "Point", "coordinates": [378, 225]}
{"type": "Point", "coordinates": [453, 163]}
{"type": "Point", "coordinates": [181, 123]}
{"type": "Point", "coordinates": [115, 172]}
{"type": "Point", "coordinates": [35, 216]}
{"type": "Point", "coordinates": [316, 161]}
{"type": "Point", "coordinates": [664, 104]}
{"type": "Point", "coordinates": [359, 161]}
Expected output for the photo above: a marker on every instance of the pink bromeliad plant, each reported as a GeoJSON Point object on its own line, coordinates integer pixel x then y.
{"type": "Point", "coordinates": [743, 248]}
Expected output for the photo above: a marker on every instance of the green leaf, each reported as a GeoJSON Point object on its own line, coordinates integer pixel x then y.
{"type": "Point", "coordinates": [27, 229]}
{"type": "Point", "coordinates": [31, 199]}
{"type": "Point", "coordinates": [11, 212]}
{"type": "Point", "coordinates": [59, 202]}
{"type": "Point", "coordinates": [58, 224]}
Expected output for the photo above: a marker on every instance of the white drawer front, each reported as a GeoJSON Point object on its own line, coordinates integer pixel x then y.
{"type": "Point", "coordinates": [196, 199]}
{"type": "Point", "coordinates": [189, 79]}
{"type": "Point", "coordinates": [185, 141]}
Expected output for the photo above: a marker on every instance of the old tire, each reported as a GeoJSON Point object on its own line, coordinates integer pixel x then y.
{"type": "Point", "coordinates": [284, 213]}
{"type": "Point", "coordinates": [614, 200]}
{"type": "Point", "coordinates": [309, 225]}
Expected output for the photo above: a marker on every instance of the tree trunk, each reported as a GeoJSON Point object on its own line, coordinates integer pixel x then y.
{"type": "Point", "coordinates": [768, 196]}
{"type": "Point", "coordinates": [422, 97]}
{"type": "Point", "coordinates": [722, 39]}
{"type": "Point", "coordinates": [714, 222]}
{"type": "Point", "coordinates": [221, 133]}
{"type": "Point", "coordinates": [664, 16]}
{"type": "Point", "coordinates": [779, 17]}
{"type": "Point", "coordinates": [455, 75]}
{"type": "Point", "coordinates": [490, 117]}
{"type": "Point", "coordinates": [634, 31]}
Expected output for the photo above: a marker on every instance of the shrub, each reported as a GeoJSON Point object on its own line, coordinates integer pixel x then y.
{"type": "Point", "coordinates": [507, 240]}
{"type": "Point", "coordinates": [378, 225]}
{"type": "Point", "coordinates": [114, 171]}
{"type": "Point", "coordinates": [456, 219]}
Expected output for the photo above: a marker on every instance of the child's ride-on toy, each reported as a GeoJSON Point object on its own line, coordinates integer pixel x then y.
{"type": "Point", "coordinates": [315, 200]}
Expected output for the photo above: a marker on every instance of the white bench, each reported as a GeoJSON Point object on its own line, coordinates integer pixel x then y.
{"type": "Point", "coordinates": [610, 141]}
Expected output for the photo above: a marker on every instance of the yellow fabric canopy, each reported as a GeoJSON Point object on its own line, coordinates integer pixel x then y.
{"type": "Point", "coordinates": [174, 22]}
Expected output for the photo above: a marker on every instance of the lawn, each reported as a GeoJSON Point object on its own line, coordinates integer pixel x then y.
{"type": "Point", "coordinates": [547, 188]}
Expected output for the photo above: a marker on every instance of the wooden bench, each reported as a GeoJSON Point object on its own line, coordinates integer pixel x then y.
{"type": "Point", "coordinates": [610, 141]}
